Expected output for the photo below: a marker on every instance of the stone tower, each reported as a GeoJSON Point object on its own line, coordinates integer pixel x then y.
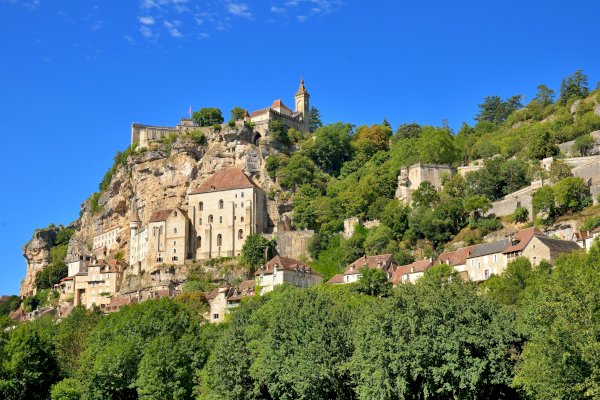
{"type": "Point", "coordinates": [302, 103]}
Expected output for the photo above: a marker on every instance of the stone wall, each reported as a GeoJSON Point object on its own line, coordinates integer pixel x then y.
{"type": "Point", "coordinates": [410, 178]}
{"type": "Point", "coordinates": [293, 244]}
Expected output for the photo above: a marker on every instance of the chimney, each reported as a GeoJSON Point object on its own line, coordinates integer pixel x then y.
{"type": "Point", "coordinates": [412, 269]}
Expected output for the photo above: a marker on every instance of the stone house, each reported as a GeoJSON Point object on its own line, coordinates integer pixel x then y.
{"type": "Point", "coordinates": [410, 273]}
{"type": "Point", "coordinates": [457, 259]}
{"type": "Point", "coordinates": [105, 240]}
{"type": "Point", "coordinates": [410, 178]}
{"type": "Point", "coordinates": [223, 299]}
{"type": "Point", "coordinates": [223, 211]}
{"type": "Point", "coordinates": [98, 284]}
{"type": "Point", "coordinates": [487, 259]}
{"type": "Point", "coordinates": [536, 246]}
{"type": "Point", "coordinates": [168, 237]}
{"type": "Point", "coordinates": [384, 262]}
{"type": "Point", "coordinates": [280, 270]}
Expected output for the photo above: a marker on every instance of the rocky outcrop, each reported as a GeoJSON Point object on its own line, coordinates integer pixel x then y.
{"type": "Point", "coordinates": [37, 256]}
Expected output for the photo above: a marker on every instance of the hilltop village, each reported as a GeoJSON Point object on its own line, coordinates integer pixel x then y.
{"type": "Point", "coordinates": [164, 215]}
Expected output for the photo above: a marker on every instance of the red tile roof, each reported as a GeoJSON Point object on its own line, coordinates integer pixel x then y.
{"type": "Point", "coordinates": [522, 238]}
{"type": "Point", "coordinates": [279, 104]}
{"type": "Point", "coordinates": [226, 179]}
{"type": "Point", "coordinates": [412, 268]}
{"type": "Point", "coordinates": [259, 112]}
{"type": "Point", "coordinates": [160, 215]}
{"type": "Point", "coordinates": [283, 263]}
{"type": "Point", "coordinates": [456, 257]}
{"type": "Point", "coordinates": [383, 261]}
{"type": "Point", "coordinates": [302, 88]}
{"type": "Point", "coordinates": [339, 278]}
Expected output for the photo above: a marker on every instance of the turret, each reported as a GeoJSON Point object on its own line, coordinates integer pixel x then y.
{"type": "Point", "coordinates": [302, 103]}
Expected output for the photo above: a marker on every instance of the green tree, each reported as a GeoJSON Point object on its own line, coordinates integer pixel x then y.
{"type": "Point", "coordinates": [508, 288]}
{"type": "Point", "coordinates": [373, 282]}
{"type": "Point", "coordinates": [255, 249]}
{"type": "Point", "coordinates": [574, 86]}
{"type": "Point", "coordinates": [436, 145]}
{"type": "Point", "coordinates": [540, 144]}
{"type": "Point", "coordinates": [330, 147]}
{"type": "Point", "coordinates": [584, 144]}
{"type": "Point", "coordinates": [559, 170]}
{"type": "Point", "coordinates": [238, 113]}
{"type": "Point", "coordinates": [377, 240]}
{"type": "Point", "coordinates": [395, 216]}
{"type": "Point", "coordinates": [299, 170]}
{"type": "Point", "coordinates": [425, 195]}
{"type": "Point", "coordinates": [304, 214]}
{"type": "Point", "coordinates": [477, 205]}
{"type": "Point", "coordinates": [371, 139]}
{"type": "Point", "coordinates": [543, 202]}
{"type": "Point", "coordinates": [544, 96]}
{"type": "Point", "coordinates": [279, 132]}
{"type": "Point", "coordinates": [314, 121]}
{"type": "Point", "coordinates": [408, 131]}
{"type": "Point", "coordinates": [208, 117]}
{"type": "Point", "coordinates": [571, 194]}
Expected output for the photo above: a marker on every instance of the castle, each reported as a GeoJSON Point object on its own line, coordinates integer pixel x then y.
{"type": "Point", "coordinates": [259, 119]}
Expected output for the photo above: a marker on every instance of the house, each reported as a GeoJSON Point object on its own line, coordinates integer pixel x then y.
{"type": "Point", "coordinates": [223, 299]}
{"type": "Point", "coordinates": [223, 211]}
{"type": "Point", "coordinates": [336, 279]}
{"type": "Point", "coordinates": [384, 262]}
{"type": "Point", "coordinates": [280, 270]}
{"type": "Point", "coordinates": [98, 284]}
{"type": "Point", "coordinates": [589, 240]}
{"type": "Point", "coordinates": [457, 259]}
{"type": "Point", "coordinates": [409, 273]}
{"type": "Point", "coordinates": [536, 246]}
{"type": "Point", "coordinates": [487, 259]}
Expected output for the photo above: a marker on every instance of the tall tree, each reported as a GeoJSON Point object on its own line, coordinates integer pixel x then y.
{"type": "Point", "coordinates": [574, 86]}
{"type": "Point", "coordinates": [207, 117]}
{"type": "Point", "coordinates": [544, 96]}
{"type": "Point", "coordinates": [314, 121]}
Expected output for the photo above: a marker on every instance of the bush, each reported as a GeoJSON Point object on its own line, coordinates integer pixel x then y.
{"type": "Point", "coordinates": [521, 214]}
{"type": "Point", "coordinates": [208, 117]}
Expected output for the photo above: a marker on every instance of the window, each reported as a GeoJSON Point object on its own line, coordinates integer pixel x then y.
{"type": "Point", "coordinates": [175, 230]}
{"type": "Point", "coordinates": [201, 206]}
{"type": "Point", "coordinates": [199, 240]}
{"type": "Point", "coordinates": [200, 221]}
{"type": "Point", "coordinates": [240, 234]}
{"type": "Point", "coordinates": [242, 204]}
{"type": "Point", "coordinates": [220, 204]}
{"type": "Point", "coordinates": [220, 220]}
{"type": "Point", "coordinates": [210, 219]}
{"type": "Point", "coordinates": [174, 250]}
{"type": "Point", "coordinates": [174, 243]}
{"type": "Point", "coordinates": [215, 316]}
{"type": "Point", "coordinates": [242, 195]}
{"type": "Point", "coordinates": [219, 240]}
{"type": "Point", "coordinates": [495, 257]}
{"type": "Point", "coordinates": [175, 213]}
{"type": "Point", "coordinates": [486, 273]}
{"type": "Point", "coordinates": [242, 219]}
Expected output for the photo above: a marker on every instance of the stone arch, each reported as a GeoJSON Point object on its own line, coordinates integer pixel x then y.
{"type": "Point", "coordinates": [256, 137]}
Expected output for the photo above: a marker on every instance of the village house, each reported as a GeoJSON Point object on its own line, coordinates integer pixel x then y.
{"type": "Point", "coordinates": [223, 211]}
{"type": "Point", "coordinates": [223, 299]}
{"type": "Point", "coordinates": [487, 259]}
{"type": "Point", "coordinates": [457, 259]}
{"type": "Point", "coordinates": [280, 270]}
{"type": "Point", "coordinates": [536, 246]}
{"type": "Point", "coordinates": [384, 262]}
{"type": "Point", "coordinates": [410, 273]}
{"type": "Point", "coordinates": [100, 282]}
{"type": "Point", "coordinates": [104, 241]}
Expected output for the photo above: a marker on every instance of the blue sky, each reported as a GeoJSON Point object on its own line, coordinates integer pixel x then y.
{"type": "Point", "coordinates": [74, 75]}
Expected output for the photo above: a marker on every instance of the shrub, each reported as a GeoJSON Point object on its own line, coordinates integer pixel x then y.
{"type": "Point", "coordinates": [521, 214]}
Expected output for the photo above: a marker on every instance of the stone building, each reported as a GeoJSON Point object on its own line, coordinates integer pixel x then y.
{"type": "Point", "coordinates": [97, 285]}
{"type": "Point", "coordinates": [410, 178]}
{"type": "Point", "coordinates": [384, 262]}
{"type": "Point", "coordinates": [487, 259]}
{"type": "Point", "coordinates": [223, 211]}
{"type": "Point", "coordinates": [223, 299]}
{"type": "Point", "coordinates": [410, 273]}
{"type": "Point", "coordinates": [106, 240]}
{"type": "Point", "coordinates": [280, 270]}
{"type": "Point", "coordinates": [536, 246]}
{"type": "Point", "coordinates": [297, 119]}
{"type": "Point", "coordinates": [145, 134]}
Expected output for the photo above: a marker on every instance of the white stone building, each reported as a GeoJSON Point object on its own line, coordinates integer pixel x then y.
{"type": "Point", "coordinates": [280, 270]}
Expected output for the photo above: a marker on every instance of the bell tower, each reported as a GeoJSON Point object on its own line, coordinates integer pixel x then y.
{"type": "Point", "coordinates": [303, 104]}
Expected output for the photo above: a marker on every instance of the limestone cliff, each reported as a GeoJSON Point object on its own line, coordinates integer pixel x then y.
{"type": "Point", "coordinates": [155, 178]}
{"type": "Point", "coordinates": [37, 256]}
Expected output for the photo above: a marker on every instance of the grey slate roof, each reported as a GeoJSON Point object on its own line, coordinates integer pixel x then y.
{"type": "Point", "coordinates": [562, 246]}
{"type": "Point", "coordinates": [490, 248]}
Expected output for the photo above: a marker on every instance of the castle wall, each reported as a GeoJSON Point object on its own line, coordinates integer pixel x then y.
{"type": "Point", "coordinates": [410, 178]}
{"type": "Point", "coordinates": [293, 244]}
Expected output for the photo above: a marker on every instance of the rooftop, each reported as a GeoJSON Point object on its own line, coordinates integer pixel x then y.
{"type": "Point", "coordinates": [226, 179]}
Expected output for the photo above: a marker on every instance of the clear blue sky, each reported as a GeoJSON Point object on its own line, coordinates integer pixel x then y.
{"type": "Point", "coordinates": [74, 75]}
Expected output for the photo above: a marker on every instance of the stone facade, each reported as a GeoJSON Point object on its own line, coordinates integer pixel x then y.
{"type": "Point", "coordinates": [280, 270]}
{"type": "Point", "coordinates": [411, 177]}
{"type": "Point", "coordinates": [145, 134]}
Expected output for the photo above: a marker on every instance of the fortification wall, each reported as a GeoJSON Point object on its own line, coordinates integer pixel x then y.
{"type": "Point", "coordinates": [293, 244]}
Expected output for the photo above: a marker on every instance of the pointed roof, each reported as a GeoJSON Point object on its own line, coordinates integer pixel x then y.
{"type": "Point", "coordinates": [226, 179]}
{"type": "Point", "coordinates": [382, 261]}
{"type": "Point", "coordinates": [284, 263]}
{"type": "Point", "coordinates": [412, 268]}
{"type": "Point", "coordinates": [456, 257]}
{"type": "Point", "coordinates": [522, 239]}
{"type": "Point", "coordinates": [302, 88]}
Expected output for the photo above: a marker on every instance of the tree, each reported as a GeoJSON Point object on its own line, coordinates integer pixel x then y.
{"type": "Point", "coordinates": [279, 132]}
{"type": "Point", "coordinates": [304, 214]}
{"type": "Point", "coordinates": [508, 288]}
{"type": "Point", "coordinates": [544, 96]}
{"type": "Point", "coordinates": [314, 122]}
{"type": "Point", "coordinates": [373, 282]}
{"type": "Point", "coordinates": [559, 170]}
{"type": "Point", "coordinates": [208, 117]}
{"type": "Point", "coordinates": [574, 86]}
{"type": "Point", "coordinates": [255, 250]}
{"type": "Point", "coordinates": [540, 144]}
{"type": "Point", "coordinates": [543, 202]}
{"type": "Point", "coordinates": [584, 144]}
{"type": "Point", "coordinates": [371, 139]}
{"type": "Point", "coordinates": [477, 205]}
{"type": "Point", "coordinates": [408, 131]}
{"type": "Point", "coordinates": [377, 240]}
{"type": "Point", "coordinates": [425, 195]}
{"type": "Point", "coordinates": [331, 147]}
{"type": "Point", "coordinates": [495, 110]}
{"type": "Point", "coordinates": [436, 145]}
{"type": "Point", "coordinates": [395, 216]}
{"type": "Point", "coordinates": [238, 113]}
{"type": "Point", "coordinates": [71, 335]}
{"type": "Point", "coordinates": [299, 170]}
{"type": "Point", "coordinates": [572, 194]}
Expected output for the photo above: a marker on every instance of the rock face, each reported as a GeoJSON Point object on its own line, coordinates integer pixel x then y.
{"type": "Point", "coordinates": [37, 255]}
{"type": "Point", "coordinates": [157, 177]}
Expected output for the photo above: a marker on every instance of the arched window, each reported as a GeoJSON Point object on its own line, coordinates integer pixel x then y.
{"type": "Point", "coordinates": [240, 234]}
{"type": "Point", "coordinates": [220, 204]}
{"type": "Point", "coordinates": [219, 240]}
{"type": "Point", "coordinates": [210, 219]}
{"type": "Point", "coordinates": [199, 241]}
{"type": "Point", "coordinates": [201, 206]}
